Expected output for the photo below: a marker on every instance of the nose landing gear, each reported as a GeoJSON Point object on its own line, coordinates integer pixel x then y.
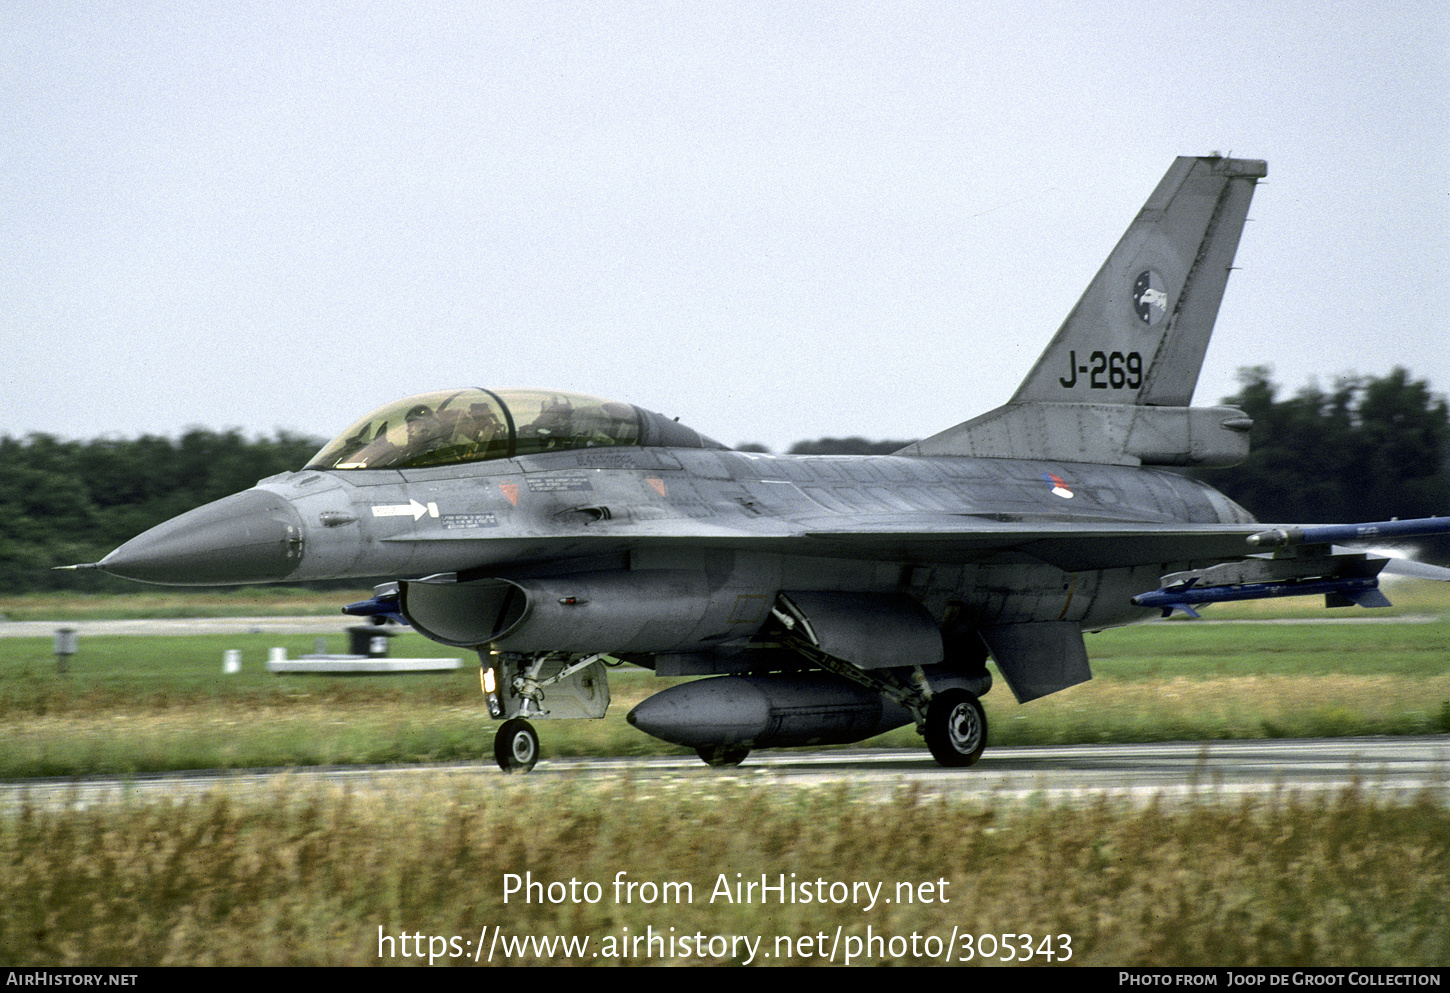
{"type": "Point", "coordinates": [516, 746]}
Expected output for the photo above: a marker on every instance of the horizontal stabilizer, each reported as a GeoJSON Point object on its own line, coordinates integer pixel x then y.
{"type": "Point", "coordinates": [1417, 570]}
{"type": "Point", "coordinates": [1104, 434]}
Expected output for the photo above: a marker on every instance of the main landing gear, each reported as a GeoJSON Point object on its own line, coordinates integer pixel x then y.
{"type": "Point", "coordinates": [722, 755]}
{"type": "Point", "coordinates": [956, 728]}
{"type": "Point", "coordinates": [952, 720]}
{"type": "Point", "coordinates": [516, 746]}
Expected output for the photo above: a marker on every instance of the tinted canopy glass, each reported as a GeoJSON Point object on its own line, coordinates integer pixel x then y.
{"type": "Point", "coordinates": [470, 425]}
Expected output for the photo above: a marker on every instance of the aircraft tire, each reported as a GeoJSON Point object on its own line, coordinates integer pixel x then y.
{"type": "Point", "coordinates": [956, 728]}
{"type": "Point", "coordinates": [722, 755]}
{"type": "Point", "coordinates": [516, 746]}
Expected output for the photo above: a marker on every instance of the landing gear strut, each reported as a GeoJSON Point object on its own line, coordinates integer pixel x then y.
{"type": "Point", "coordinates": [516, 746]}
{"type": "Point", "coordinates": [516, 686]}
{"type": "Point", "coordinates": [956, 728]}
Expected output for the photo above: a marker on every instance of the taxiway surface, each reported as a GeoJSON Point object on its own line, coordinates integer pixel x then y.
{"type": "Point", "coordinates": [1181, 772]}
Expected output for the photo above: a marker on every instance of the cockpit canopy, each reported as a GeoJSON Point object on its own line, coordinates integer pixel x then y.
{"type": "Point", "coordinates": [472, 425]}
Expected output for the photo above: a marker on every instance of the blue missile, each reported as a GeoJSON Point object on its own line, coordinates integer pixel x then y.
{"type": "Point", "coordinates": [1363, 590]}
{"type": "Point", "coordinates": [1328, 534]}
{"type": "Point", "coordinates": [385, 606]}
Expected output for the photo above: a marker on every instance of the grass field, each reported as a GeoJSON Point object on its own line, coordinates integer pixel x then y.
{"type": "Point", "coordinates": [318, 878]}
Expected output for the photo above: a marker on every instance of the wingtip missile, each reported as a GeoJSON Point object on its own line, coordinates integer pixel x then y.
{"type": "Point", "coordinates": [1327, 534]}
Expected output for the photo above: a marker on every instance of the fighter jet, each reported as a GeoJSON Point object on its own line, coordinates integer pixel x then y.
{"type": "Point", "coordinates": [822, 599]}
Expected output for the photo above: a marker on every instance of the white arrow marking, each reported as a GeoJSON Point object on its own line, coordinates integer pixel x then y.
{"type": "Point", "coordinates": [412, 509]}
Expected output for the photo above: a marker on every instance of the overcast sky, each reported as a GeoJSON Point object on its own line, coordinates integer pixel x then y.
{"type": "Point", "coordinates": [775, 221]}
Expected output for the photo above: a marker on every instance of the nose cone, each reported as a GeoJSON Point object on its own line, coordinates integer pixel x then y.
{"type": "Point", "coordinates": [250, 537]}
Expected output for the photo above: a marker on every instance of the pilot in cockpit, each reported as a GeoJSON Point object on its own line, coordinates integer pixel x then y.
{"type": "Point", "coordinates": [554, 425]}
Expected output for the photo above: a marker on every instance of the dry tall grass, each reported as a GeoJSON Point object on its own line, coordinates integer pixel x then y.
{"type": "Point", "coordinates": [308, 878]}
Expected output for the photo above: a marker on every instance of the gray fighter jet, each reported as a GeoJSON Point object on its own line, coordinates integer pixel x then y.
{"type": "Point", "coordinates": [825, 599]}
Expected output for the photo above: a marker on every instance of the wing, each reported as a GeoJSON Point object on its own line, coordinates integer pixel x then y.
{"type": "Point", "coordinates": [1071, 546]}
{"type": "Point", "coordinates": [1224, 562]}
{"type": "Point", "coordinates": [1208, 555]}
{"type": "Point", "coordinates": [947, 538]}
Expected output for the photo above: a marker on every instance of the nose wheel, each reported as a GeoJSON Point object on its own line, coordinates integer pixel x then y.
{"type": "Point", "coordinates": [516, 746]}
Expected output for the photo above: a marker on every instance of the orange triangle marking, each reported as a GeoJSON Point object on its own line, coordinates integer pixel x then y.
{"type": "Point", "coordinates": [658, 484]}
{"type": "Point", "coordinates": [510, 490]}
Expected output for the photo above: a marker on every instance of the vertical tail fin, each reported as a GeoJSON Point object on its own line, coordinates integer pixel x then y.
{"type": "Point", "coordinates": [1139, 333]}
{"type": "Point", "coordinates": [1115, 383]}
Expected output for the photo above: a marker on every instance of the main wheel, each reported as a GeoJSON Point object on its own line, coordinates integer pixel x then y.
{"type": "Point", "coordinates": [720, 755]}
{"type": "Point", "coordinates": [516, 746]}
{"type": "Point", "coordinates": [956, 728]}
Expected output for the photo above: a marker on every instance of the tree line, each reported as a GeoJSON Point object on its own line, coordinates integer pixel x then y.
{"type": "Point", "coordinates": [1368, 449]}
{"type": "Point", "coordinates": [63, 502]}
